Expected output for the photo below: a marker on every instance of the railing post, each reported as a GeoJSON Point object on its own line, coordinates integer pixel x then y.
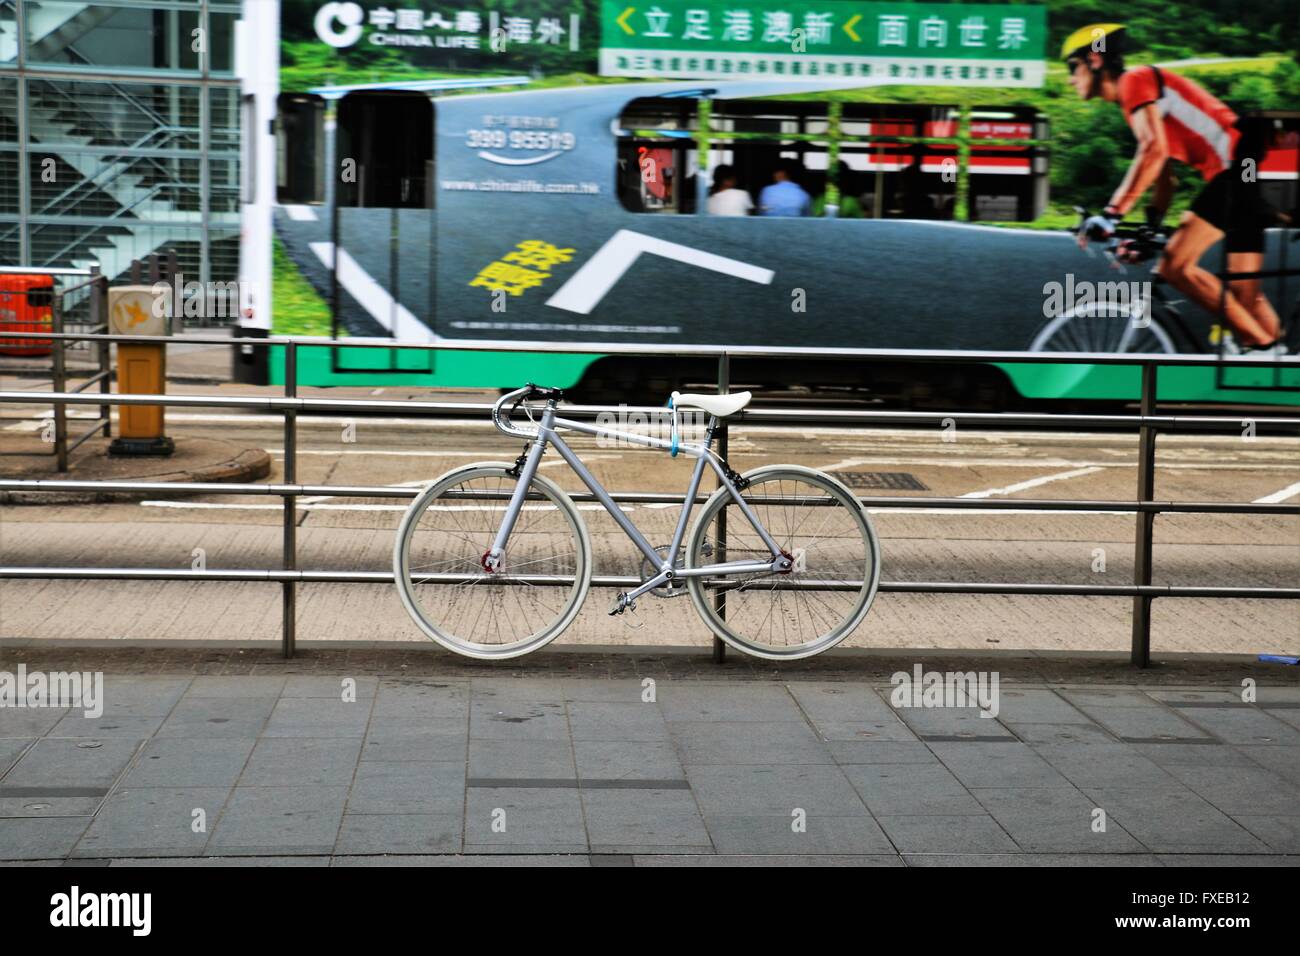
{"type": "Point", "coordinates": [289, 592]}
{"type": "Point", "coordinates": [60, 385]}
{"type": "Point", "coordinates": [720, 596]}
{"type": "Point", "coordinates": [1141, 652]}
{"type": "Point", "coordinates": [99, 317]}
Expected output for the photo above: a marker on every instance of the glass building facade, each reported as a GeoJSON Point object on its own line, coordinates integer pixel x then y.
{"type": "Point", "coordinates": [119, 134]}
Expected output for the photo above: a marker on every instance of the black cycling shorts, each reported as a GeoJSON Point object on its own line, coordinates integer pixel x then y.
{"type": "Point", "coordinates": [1233, 204]}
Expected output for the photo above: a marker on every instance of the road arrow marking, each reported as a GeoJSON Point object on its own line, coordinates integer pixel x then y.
{"type": "Point", "coordinates": [598, 275]}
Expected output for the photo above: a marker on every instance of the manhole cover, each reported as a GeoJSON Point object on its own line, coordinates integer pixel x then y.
{"type": "Point", "coordinates": [887, 480]}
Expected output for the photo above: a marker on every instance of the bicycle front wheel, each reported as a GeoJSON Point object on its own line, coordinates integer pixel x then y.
{"type": "Point", "coordinates": [820, 524]}
{"type": "Point", "coordinates": [438, 563]}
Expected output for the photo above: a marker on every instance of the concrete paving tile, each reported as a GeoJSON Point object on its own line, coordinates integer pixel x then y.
{"type": "Point", "coordinates": [1104, 766]}
{"type": "Point", "coordinates": [1147, 723]}
{"type": "Point", "coordinates": [219, 861]}
{"type": "Point", "coordinates": [1001, 764]}
{"type": "Point", "coordinates": [600, 720]}
{"type": "Point", "coordinates": [1277, 831]}
{"type": "Point", "coordinates": [399, 833]}
{"type": "Point", "coordinates": [644, 818]}
{"type": "Point", "coordinates": [616, 691]}
{"type": "Point", "coordinates": [890, 730]}
{"type": "Point", "coordinates": [514, 759]}
{"type": "Point", "coordinates": [485, 859]}
{"type": "Point", "coordinates": [1061, 733]}
{"type": "Point", "coordinates": [773, 790]}
{"type": "Point", "coordinates": [1174, 696]}
{"type": "Point", "coordinates": [217, 716]}
{"type": "Point", "coordinates": [414, 739]}
{"type": "Point", "coordinates": [279, 820]}
{"type": "Point", "coordinates": [495, 718]}
{"type": "Point", "coordinates": [1217, 860]}
{"type": "Point", "coordinates": [858, 834]}
{"type": "Point", "coordinates": [75, 725]}
{"type": "Point", "coordinates": [544, 820]}
{"type": "Point", "coordinates": [11, 748]}
{"type": "Point", "coordinates": [1055, 860]}
{"type": "Point", "coordinates": [1037, 706]}
{"type": "Point", "coordinates": [390, 787]}
{"type": "Point", "coordinates": [627, 760]}
{"type": "Point", "coordinates": [1283, 761]}
{"type": "Point", "coordinates": [426, 699]}
{"type": "Point", "coordinates": [329, 688]}
{"type": "Point", "coordinates": [1054, 820]}
{"type": "Point", "coordinates": [918, 789]}
{"type": "Point", "coordinates": [1174, 821]}
{"type": "Point", "coordinates": [1169, 755]}
{"type": "Point", "coordinates": [524, 689]}
{"type": "Point", "coordinates": [843, 702]}
{"type": "Point", "coordinates": [182, 762]}
{"type": "Point", "coordinates": [946, 834]}
{"type": "Point", "coordinates": [708, 701]}
{"type": "Point", "coordinates": [748, 742]}
{"type": "Point", "coordinates": [242, 686]}
{"type": "Point", "coordinates": [318, 717]}
{"type": "Point", "coordinates": [302, 762]}
{"type": "Point", "coordinates": [1106, 697]}
{"type": "Point", "coordinates": [879, 751]}
{"type": "Point", "coordinates": [732, 861]}
{"type": "Point", "coordinates": [961, 722]}
{"type": "Point", "coordinates": [1243, 725]}
{"type": "Point", "coordinates": [152, 822]}
{"type": "Point", "coordinates": [35, 838]}
{"type": "Point", "coordinates": [29, 721]}
{"type": "Point", "coordinates": [1240, 790]}
{"type": "Point", "coordinates": [130, 696]}
{"type": "Point", "coordinates": [1289, 716]}
{"type": "Point", "coordinates": [69, 762]}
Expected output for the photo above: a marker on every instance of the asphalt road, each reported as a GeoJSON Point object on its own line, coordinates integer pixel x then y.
{"type": "Point", "coordinates": [953, 545]}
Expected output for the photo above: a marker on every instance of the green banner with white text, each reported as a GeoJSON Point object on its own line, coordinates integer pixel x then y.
{"type": "Point", "coordinates": [916, 43]}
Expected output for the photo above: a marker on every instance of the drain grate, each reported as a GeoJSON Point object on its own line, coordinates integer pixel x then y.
{"type": "Point", "coordinates": [888, 480]}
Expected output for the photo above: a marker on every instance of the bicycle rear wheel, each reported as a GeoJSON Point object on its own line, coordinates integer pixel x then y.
{"type": "Point", "coordinates": [819, 523]}
{"type": "Point", "coordinates": [438, 563]}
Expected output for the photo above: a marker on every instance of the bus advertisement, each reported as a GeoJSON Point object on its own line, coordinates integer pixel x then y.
{"type": "Point", "coordinates": [881, 175]}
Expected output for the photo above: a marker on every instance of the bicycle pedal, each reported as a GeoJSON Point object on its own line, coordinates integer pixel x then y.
{"type": "Point", "coordinates": [621, 604]}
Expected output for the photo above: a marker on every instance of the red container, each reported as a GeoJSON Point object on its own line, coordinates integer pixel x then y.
{"type": "Point", "coordinates": [26, 305]}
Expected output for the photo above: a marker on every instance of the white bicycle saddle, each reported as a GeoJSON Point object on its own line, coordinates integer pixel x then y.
{"type": "Point", "coordinates": [719, 405]}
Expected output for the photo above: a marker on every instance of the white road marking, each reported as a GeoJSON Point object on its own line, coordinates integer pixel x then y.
{"type": "Point", "coordinates": [300, 213]}
{"type": "Point", "coordinates": [1031, 483]}
{"type": "Point", "coordinates": [1277, 497]}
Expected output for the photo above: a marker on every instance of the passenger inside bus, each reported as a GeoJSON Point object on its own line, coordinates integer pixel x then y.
{"type": "Point", "coordinates": [784, 197]}
{"type": "Point", "coordinates": [726, 198]}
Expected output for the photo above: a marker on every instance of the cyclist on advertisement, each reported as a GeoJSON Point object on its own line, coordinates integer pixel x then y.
{"type": "Point", "coordinates": [1174, 118]}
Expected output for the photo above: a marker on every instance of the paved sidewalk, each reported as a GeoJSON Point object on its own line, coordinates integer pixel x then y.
{"type": "Point", "coordinates": [493, 768]}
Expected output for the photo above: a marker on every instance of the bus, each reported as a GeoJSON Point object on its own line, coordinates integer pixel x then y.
{"type": "Point", "coordinates": [422, 211]}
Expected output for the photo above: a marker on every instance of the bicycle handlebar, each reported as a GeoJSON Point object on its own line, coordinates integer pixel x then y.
{"type": "Point", "coordinates": [520, 395]}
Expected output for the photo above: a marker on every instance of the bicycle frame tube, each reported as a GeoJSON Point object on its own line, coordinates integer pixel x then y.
{"type": "Point", "coordinates": [547, 434]}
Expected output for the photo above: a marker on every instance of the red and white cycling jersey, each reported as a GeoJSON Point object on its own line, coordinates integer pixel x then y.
{"type": "Point", "coordinates": [1200, 129]}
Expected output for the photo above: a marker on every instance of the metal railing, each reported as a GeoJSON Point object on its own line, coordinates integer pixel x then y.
{"type": "Point", "coordinates": [290, 406]}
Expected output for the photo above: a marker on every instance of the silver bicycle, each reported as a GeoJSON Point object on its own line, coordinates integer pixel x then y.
{"type": "Point", "coordinates": [493, 560]}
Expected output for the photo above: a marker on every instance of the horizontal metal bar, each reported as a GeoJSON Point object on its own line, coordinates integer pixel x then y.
{"type": "Point", "coordinates": [98, 376]}
{"type": "Point", "coordinates": [43, 270]}
{"type": "Point", "coordinates": [617, 581]}
{"type": "Point", "coordinates": [474, 410]}
{"type": "Point", "coordinates": [706, 351]}
{"type": "Point", "coordinates": [54, 486]}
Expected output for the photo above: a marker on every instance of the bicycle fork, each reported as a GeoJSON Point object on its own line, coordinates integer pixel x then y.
{"type": "Point", "coordinates": [492, 558]}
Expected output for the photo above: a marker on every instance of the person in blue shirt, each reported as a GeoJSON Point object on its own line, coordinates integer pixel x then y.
{"type": "Point", "coordinates": [784, 197]}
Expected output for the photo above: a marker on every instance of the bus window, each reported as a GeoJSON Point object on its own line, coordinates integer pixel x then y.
{"type": "Point", "coordinates": [300, 149]}
{"type": "Point", "coordinates": [900, 180]}
{"type": "Point", "coordinates": [787, 143]}
{"type": "Point", "coordinates": [657, 164]}
{"type": "Point", "coordinates": [1277, 135]}
{"type": "Point", "coordinates": [385, 150]}
{"type": "Point", "coordinates": [1007, 183]}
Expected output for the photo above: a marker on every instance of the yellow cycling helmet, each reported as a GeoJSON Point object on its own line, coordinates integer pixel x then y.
{"type": "Point", "coordinates": [1085, 37]}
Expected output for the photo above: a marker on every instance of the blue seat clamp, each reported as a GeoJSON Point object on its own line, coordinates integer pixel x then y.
{"type": "Point", "coordinates": [672, 451]}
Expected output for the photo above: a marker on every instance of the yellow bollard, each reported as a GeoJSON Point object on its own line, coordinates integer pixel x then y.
{"type": "Point", "coordinates": [141, 368]}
